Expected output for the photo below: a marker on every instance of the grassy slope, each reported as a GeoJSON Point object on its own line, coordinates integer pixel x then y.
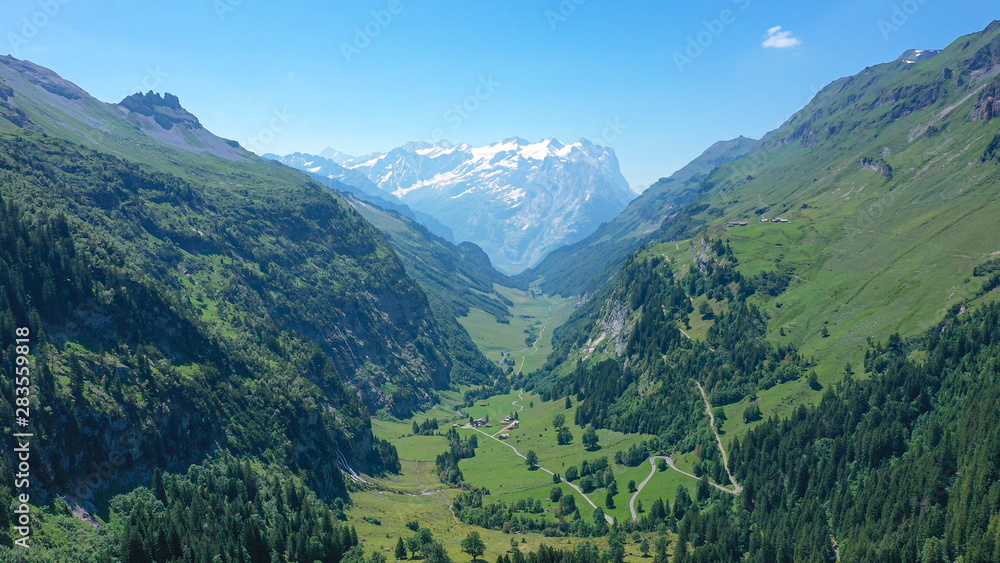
{"type": "Point", "coordinates": [871, 254]}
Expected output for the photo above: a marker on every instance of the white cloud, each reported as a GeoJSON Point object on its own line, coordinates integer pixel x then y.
{"type": "Point", "coordinates": [780, 39]}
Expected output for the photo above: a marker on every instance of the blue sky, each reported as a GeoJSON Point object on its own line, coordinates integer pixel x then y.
{"type": "Point", "coordinates": [657, 81]}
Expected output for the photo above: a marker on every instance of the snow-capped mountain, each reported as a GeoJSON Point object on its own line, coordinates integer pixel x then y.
{"type": "Point", "coordinates": [515, 199]}
{"type": "Point", "coordinates": [330, 153]}
{"type": "Point", "coordinates": [344, 179]}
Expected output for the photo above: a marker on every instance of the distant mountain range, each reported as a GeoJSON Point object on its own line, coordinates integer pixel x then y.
{"type": "Point", "coordinates": [577, 269]}
{"type": "Point", "coordinates": [331, 173]}
{"type": "Point", "coordinates": [515, 199]}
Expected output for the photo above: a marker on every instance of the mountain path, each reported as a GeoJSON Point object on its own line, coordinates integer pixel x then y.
{"type": "Point", "coordinates": [737, 488]}
{"type": "Point", "coordinates": [725, 457]}
{"type": "Point", "coordinates": [670, 463]}
{"type": "Point", "coordinates": [652, 471]}
{"type": "Point", "coordinates": [609, 519]}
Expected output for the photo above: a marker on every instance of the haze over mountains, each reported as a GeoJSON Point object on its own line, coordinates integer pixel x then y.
{"type": "Point", "coordinates": [515, 199]}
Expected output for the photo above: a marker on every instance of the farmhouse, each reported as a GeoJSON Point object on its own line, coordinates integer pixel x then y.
{"type": "Point", "coordinates": [479, 422]}
{"type": "Point", "coordinates": [737, 224]}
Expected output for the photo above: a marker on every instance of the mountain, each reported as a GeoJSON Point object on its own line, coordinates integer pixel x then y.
{"type": "Point", "coordinates": [859, 217]}
{"type": "Point", "coordinates": [336, 156]}
{"type": "Point", "coordinates": [914, 55]}
{"type": "Point", "coordinates": [156, 131]}
{"type": "Point", "coordinates": [715, 155]}
{"type": "Point", "coordinates": [339, 178]}
{"type": "Point", "coordinates": [882, 181]}
{"type": "Point", "coordinates": [459, 275]}
{"type": "Point", "coordinates": [185, 299]}
{"type": "Point", "coordinates": [457, 278]}
{"type": "Point", "coordinates": [516, 200]}
{"type": "Point", "coordinates": [579, 268]}
{"type": "Point", "coordinates": [834, 299]}
{"type": "Point", "coordinates": [35, 99]}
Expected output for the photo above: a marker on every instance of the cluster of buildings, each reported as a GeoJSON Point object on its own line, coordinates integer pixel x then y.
{"type": "Point", "coordinates": [508, 422]}
{"type": "Point", "coordinates": [480, 422]}
{"type": "Point", "coordinates": [511, 425]}
{"type": "Point", "coordinates": [762, 220]}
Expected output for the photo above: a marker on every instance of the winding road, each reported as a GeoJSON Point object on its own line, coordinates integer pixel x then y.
{"type": "Point", "coordinates": [725, 458]}
{"type": "Point", "coordinates": [670, 463]}
{"type": "Point", "coordinates": [737, 488]}
{"type": "Point", "coordinates": [522, 456]}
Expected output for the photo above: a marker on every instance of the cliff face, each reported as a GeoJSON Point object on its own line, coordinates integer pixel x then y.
{"type": "Point", "coordinates": [987, 104]}
{"type": "Point", "coordinates": [166, 110]}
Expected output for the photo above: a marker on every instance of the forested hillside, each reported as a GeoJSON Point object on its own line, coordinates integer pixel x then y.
{"type": "Point", "coordinates": [456, 279]}
{"type": "Point", "coordinates": [180, 305]}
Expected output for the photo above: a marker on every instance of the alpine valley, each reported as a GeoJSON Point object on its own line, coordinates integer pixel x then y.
{"type": "Point", "coordinates": [788, 350]}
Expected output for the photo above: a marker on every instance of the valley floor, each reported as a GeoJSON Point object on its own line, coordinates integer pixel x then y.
{"type": "Point", "coordinates": [382, 510]}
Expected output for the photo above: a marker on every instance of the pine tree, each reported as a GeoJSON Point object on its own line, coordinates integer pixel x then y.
{"type": "Point", "coordinates": [400, 549]}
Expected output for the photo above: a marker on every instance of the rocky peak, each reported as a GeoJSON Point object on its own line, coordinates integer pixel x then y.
{"type": "Point", "coordinates": [914, 55]}
{"type": "Point", "coordinates": [166, 110]}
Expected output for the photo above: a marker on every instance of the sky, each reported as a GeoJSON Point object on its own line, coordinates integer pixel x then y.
{"type": "Point", "coordinates": [658, 82]}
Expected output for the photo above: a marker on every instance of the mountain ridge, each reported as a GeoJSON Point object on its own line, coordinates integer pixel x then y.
{"type": "Point", "coordinates": [516, 200]}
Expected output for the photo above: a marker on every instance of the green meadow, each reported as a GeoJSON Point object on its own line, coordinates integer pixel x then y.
{"type": "Point", "coordinates": [541, 314]}
{"type": "Point", "coordinates": [382, 508]}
